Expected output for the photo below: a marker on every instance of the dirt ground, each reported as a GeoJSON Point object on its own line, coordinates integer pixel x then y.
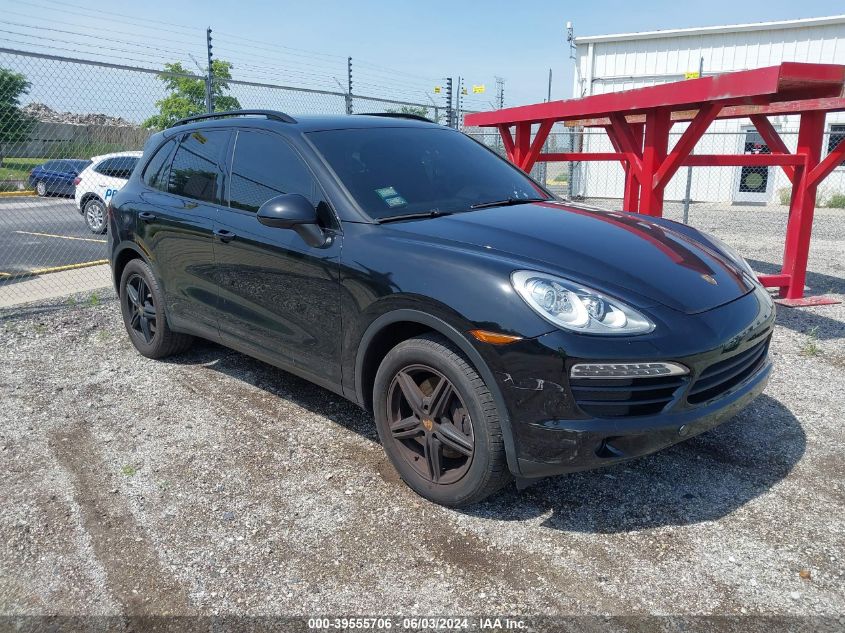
{"type": "Point", "coordinates": [216, 484]}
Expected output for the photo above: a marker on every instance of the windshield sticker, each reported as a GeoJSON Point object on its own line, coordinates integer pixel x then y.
{"type": "Point", "coordinates": [396, 201]}
{"type": "Point", "coordinates": [391, 197]}
{"type": "Point", "coordinates": [386, 192]}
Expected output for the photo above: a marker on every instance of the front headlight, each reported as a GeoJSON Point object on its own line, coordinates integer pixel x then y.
{"type": "Point", "coordinates": [573, 307]}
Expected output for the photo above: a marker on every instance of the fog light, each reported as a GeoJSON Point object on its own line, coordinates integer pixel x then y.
{"type": "Point", "coordinates": [626, 370]}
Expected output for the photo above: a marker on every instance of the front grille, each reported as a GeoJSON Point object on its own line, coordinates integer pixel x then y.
{"type": "Point", "coordinates": [726, 374]}
{"type": "Point", "coordinates": [613, 398]}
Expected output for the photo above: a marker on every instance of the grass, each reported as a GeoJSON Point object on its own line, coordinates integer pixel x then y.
{"type": "Point", "coordinates": [836, 201]}
{"type": "Point", "coordinates": [811, 347]}
{"type": "Point", "coordinates": [128, 470]}
{"type": "Point", "coordinates": [94, 300]}
{"type": "Point", "coordinates": [18, 168]}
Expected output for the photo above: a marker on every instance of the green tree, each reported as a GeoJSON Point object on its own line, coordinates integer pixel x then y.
{"type": "Point", "coordinates": [15, 126]}
{"type": "Point", "coordinates": [416, 110]}
{"type": "Point", "coordinates": [187, 94]}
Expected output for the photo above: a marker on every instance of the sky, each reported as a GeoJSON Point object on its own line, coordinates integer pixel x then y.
{"type": "Point", "coordinates": [405, 47]}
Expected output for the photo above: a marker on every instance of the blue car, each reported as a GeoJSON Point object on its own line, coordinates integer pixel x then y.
{"type": "Point", "coordinates": [56, 176]}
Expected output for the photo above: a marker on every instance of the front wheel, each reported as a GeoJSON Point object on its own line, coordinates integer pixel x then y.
{"type": "Point", "coordinates": [95, 216]}
{"type": "Point", "coordinates": [41, 188]}
{"type": "Point", "coordinates": [438, 422]}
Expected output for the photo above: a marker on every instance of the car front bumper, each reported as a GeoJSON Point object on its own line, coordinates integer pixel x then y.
{"type": "Point", "coordinates": [561, 446]}
{"type": "Point", "coordinates": [554, 432]}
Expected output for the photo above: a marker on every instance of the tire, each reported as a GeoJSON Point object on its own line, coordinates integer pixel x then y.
{"type": "Point", "coordinates": [41, 189]}
{"type": "Point", "coordinates": [152, 339]}
{"type": "Point", "coordinates": [94, 213]}
{"type": "Point", "coordinates": [470, 411]}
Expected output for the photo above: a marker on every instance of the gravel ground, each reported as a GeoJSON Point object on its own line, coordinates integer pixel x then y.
{"type": "Point", "coordinates": [216, 484]}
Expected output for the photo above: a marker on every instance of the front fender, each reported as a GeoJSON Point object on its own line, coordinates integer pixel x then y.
{"type": "Point", "coordinates": [460, 340]}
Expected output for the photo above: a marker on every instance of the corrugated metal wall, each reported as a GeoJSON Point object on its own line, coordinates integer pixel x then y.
{"type": "Point", "coordinates": [623, 64]}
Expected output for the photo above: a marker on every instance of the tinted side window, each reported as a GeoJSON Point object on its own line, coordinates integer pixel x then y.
{"type": "Point", "coordinates": [158, 169]}
{"type": "Point", "coordinates": [265, 166]}
{"type": "Point", "coordinates": [118, 167]}
{"type": "Point", "coordinates": [195, 171]}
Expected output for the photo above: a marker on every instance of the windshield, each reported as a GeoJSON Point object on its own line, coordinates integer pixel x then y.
{"type": "Point", "coordinates": [402, 170]}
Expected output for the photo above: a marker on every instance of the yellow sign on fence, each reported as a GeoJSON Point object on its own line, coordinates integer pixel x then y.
{"type": "Point", "coordinates": [692, 75]}
{"type": "Point", "coordinates": [478, 89]}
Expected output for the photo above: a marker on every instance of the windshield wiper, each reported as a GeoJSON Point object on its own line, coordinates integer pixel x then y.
{"type": "Point", "coordinates": [507, 202]}
{"type": "Point", "coordinates": [414, 216]}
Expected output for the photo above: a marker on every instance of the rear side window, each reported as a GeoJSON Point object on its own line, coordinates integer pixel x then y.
{"type": "Point", "coordinates": [265, 166]}
{"type": "Point", "coordinates": [158, 169]}
{"type": "Point", "coordinates": [118, 167]}
{"type": "Point", "coordinates": [195, 171]}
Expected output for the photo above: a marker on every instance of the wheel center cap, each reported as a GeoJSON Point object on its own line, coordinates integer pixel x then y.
{"type": "Point", "coordinates": [428, 424]}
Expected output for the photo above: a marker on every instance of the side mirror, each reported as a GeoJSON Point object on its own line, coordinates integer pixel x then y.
{"type": "Point", "coordinates": [293, 211]}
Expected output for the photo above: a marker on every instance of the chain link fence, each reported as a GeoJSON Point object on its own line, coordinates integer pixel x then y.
{"type": "Point", "coordinates": [58, 113]}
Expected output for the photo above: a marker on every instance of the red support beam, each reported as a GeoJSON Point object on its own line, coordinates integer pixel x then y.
{"type": "Point", "coordinates": [787, 81]}
{"type": "Point", "coordinates": [830, 162]}
{"type": "Point", "coordinates": [693, 160]}
{"type": "Point", "coordinates": [773, 140]}
{"type": "Point", "coordinates": [523, 142]}
{"type": "Point", "coordinates": [507, 139]}
{"type": "Point", "coordinates": [618, 148]}
{"type": "Point", "coordinates": [686, 143]}
{"type": "Point", "coordinates": [655, 147]}
{"type": "Point", "coordinates": [536, 145]}
{"type": "Point", "coordinates": [800, 224]}
{"type": "Point", "coordinates": [631, 196]}
{"type": "Point", "coordinates": [627, 141]}
{"type": "Point", "coordinates": [743, 160]}
{"type": "Point", "coordinates": [775, 281]}
{"type": "Point", "coordinates": [562, 157]}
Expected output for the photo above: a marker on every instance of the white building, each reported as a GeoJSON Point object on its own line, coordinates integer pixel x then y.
{"type": "Point", "coordinates": [609, 63]}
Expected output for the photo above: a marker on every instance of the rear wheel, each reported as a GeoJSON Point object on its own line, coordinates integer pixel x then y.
{"type": "Point", "coordinates": [95, 215]}
{"type": "Point", "coordinates": [438, 423]}
{"type": "Point", "coordinates": [41, 188]}
{"type": "Point", "coordinates": [142, 306]}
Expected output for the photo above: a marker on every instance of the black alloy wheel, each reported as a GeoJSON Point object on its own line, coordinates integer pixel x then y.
{"type": "Point", "coordinates": [141, 307]}
{"type": "Point", "coordinates": [430, 424]}
{"type": "Point", "coordinates": [438, 422]}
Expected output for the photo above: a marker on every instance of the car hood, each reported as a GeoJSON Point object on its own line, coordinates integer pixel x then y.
{"type": "Point", "coordinates": [621, 253]}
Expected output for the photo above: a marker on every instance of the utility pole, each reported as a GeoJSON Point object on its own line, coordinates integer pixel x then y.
{"type": "Point", "coordinates": [449, 114]}
{"type": "Point", "coordinates": [209, 78]}
{"type": "Point", "coordinates": [460, 102]}
{"type": "Point", "coordinates": [500, 92]}
{"type": "Point", "coordinates": [550, 86]}
{"type": "Point", "coordinates": [349, 85]}
{"type": "Point", "coordinates": [689, 169]}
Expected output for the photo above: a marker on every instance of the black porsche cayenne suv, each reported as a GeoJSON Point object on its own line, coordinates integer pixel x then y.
{"type": "Point", "coordinates": [493, 331]}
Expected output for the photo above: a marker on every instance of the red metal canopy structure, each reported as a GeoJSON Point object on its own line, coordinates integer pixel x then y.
{"type": "Point", "coordinates": [638, 122]}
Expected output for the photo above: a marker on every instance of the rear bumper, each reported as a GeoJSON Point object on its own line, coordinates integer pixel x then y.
{"type": "Point", "coordinates": [572, 445]}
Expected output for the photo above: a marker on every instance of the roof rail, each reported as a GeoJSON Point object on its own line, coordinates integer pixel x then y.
{"type": "Point", "coordinates": [398, 115]}
{"type": "Point", "coordinates": [273, 115]}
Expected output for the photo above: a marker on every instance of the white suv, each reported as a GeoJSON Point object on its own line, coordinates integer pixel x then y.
{"type": "Point", "coordinates": [100, 181]}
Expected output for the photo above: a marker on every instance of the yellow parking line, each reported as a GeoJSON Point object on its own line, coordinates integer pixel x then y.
{"type": "Point", "coordinates": [64, 237]}
{"type": "Point", "coordinates": [52, 269]}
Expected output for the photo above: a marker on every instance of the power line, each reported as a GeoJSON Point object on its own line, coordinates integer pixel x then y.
{"type": "Point", "coordinates": [97, 15]}
{"type": "Point", "coordinates": [158, 23]}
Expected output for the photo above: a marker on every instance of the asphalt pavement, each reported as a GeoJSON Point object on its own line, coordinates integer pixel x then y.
{"type": "Point", "coordinates": [44, 233]}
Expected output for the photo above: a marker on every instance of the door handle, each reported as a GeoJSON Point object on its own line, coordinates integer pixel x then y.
{"type": "Point", "coordinates": [146, 216]}
{"type": "Point", "coordinates": [224, 236]}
